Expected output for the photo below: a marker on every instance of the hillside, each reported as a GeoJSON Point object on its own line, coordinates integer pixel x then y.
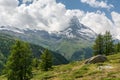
{"type": "Point", "coordinates": [6, 41]}
{"type": "Point", "coordinates": [73, 42]}
{"type": "Point", "coordinates": [79, 71]}
{"type": "Point", "coordinates": [108, 70]}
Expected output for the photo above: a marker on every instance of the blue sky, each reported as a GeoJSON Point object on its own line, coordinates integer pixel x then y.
{"type": "Point", "coordinates": [77, 4]}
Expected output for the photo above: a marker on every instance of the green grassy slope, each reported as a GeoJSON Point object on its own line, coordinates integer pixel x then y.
{"type": "Point", "coordinates": [109, 70]}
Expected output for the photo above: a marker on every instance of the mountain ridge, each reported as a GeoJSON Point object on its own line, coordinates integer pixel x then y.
{"type": "Point", "coordinates": [69, 42]}
{"type": "Point", "coordinates": [74, 41]}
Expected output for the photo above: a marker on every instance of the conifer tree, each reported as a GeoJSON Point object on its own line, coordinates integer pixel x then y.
{"type": "Point", "coordinates": [108, 43]}
{"type": "Point", "coordinates": [35, 63]}
{"type": "Point", "coordinates": [46, 60]}
{"type": "Point", "coordinates": [18, 66]}
{"type": "Point", "coordinates": [104, 44]}
{"type": "Point", "coordinates": [117, 46]}
{"type": "Point", "coordinates": [2, 60]}
{"type": "Point", "coordinates": [98, 46]}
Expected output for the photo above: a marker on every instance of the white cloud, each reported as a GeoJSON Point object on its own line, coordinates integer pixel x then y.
{"type": "Point", "coordinates": [47, 15]}
{"type": "Point", "coordinates": [8, 3]}
{"type": "Point", "coordinates": [7, 10]}
{"type": "Point", "coordinates": [97, 4]}
{"type": "Point", "coordinates": [116, 20]}
{"type": "Point", "coordinates": [100, 23]}
{"type": "Point", "coordinates": [97, 21]}
{"type": "Point", "coordinates": [76, 12]}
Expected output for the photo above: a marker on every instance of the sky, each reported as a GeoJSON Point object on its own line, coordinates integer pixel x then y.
{"type": "Point", "coordinates": [55, 15]}
{"type": "Point", "coordinates": [85, 6]}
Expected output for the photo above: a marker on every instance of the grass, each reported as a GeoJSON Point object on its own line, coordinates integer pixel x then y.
{"type": "Point", "coordinates": [80, 71]}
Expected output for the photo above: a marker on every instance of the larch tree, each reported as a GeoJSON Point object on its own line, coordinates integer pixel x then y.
{"type": "Point", "coordinates": [46, 60]}
{"type": "Point", "coordinates": [108, 43]}
{"type": "Point", "coordinates": [19, 62]}
{"type": "Point", "coordinates": [98, 45]}
{"type": "Point", "coordinates": [117, 47]}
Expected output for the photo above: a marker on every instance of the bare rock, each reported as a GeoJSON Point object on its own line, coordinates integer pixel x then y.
{"type": "Point", "coordinates": [96, 59]}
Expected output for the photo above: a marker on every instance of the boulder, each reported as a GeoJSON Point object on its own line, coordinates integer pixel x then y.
{"type": "Point", "coordinates": [96, 59]}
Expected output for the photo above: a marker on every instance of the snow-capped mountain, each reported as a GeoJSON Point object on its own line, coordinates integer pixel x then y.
{"type": "Point", "coordinates": [78, 30]}
{"type": "Point", "coordinates": [11, 28]}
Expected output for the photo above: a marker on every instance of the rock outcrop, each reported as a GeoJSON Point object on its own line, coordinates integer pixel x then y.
{"type": "Point", "coordinates": [96, 59]}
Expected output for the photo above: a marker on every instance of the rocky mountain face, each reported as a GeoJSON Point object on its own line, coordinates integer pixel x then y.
{"type": "Point", "coordinates": [78, 30]}
{"type": "Point", "coordinates": [76, 39]}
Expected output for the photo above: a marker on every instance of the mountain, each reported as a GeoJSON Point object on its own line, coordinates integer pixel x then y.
{"type": "Point", "coordinates": [77, 38]}
{"type": "Point", "coordinates": [76, 30]}
{"type": "Point", "coordinates": [6, 41]}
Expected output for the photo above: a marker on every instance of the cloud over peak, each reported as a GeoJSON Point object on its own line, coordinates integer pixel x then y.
{"type": "Point", "coordinates": [97, 21]}
{"type": "Point", "coordinates": [47, 15]}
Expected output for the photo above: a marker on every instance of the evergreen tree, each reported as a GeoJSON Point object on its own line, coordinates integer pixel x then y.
{"type": "Point", "coordinates": [104, 44]}
{"type": "Point", "coordinates": [117, 47]}
{"type": "Point", "coordinates": [35, 63]}
{"type": "Point", "coordinates": [108, 43]}
{"type": "Point", "coordinates": [2, 60]}
{"type": "Point", "coordinates": [98, 46]}
{"type": "Point", "coordinates": [46, 60]}
{"type": "Point", "coordinates": [18, 66]}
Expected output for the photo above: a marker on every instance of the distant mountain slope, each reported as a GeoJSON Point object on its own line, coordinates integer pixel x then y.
{"type": "Point", "coordinates": [76, 38]}
{"type": "Point", "coordinates": [6, 41]}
